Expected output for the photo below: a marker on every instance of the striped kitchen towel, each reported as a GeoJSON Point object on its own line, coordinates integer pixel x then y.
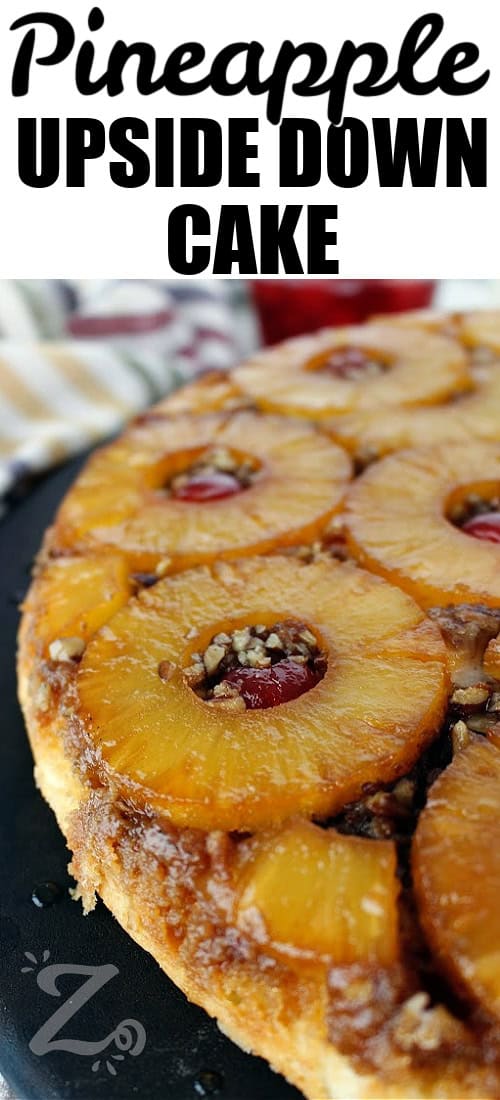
{"type": "Point", "coordinates": [77, 359]}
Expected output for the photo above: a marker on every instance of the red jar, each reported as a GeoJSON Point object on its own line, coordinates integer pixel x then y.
{"type": "Point", "coordinates": [289, 307]}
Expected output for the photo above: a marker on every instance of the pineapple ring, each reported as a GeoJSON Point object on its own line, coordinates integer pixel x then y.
{"type": "Point", "coordinates": [397, 526]}
{"type": "Point", "coordinates": [367, 435]}
{"type": "Point", "coordinates": [456, 862]}
{"type": "Point", "coordinates": [119, 500]}
{"type": "Point", "coordinates": [210, 392]}
{"type": "Point", "coordinates": [480, 329]}
{"type": "Point", "coordinates": [477, 328]}
{"type": "Point", "coordinates": [199, 764]}
{"type": "Point", "coordinates": [476, 415]}
{"type": "Point", "coordinates": [72, 597]}
{"type": "Point", "coordinates": [424, 369]}
{"type": "Point", "coordinates": [309, 893]}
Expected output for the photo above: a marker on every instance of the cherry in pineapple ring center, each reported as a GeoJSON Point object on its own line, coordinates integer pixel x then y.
{"type": "Point", "coordinates": [257, 667]}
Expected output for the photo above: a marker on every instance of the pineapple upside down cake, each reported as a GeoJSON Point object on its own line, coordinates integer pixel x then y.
{"type": "Point", "coordinates": [260, 668]}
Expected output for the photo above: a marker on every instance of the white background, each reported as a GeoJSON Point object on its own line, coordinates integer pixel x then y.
{"type": "Point", "coordinates": [104, 231]}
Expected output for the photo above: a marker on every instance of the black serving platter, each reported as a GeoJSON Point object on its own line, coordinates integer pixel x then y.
{"type": "Point", "coordinates": [185, 1056]}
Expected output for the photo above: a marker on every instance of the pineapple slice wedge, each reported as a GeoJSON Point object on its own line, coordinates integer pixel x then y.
{"type": "Point", "coordinates": [206, 764]}
{"type": "Point", "coordinates": [72, 597]}
{"type": "Point", "coordinates": [122, 498]}
{"type": "Point", "coordinates": [311, 893]}
{"type": "Point", "coordinates": [456, 863]}
{"type": "Point", "coordinates": [397, 525]}
{"type": "Point", "coordinates": [296, 377]}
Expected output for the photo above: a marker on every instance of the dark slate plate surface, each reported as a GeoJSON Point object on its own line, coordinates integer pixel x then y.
{"type": "Point", "coordinates": [185, 1055]}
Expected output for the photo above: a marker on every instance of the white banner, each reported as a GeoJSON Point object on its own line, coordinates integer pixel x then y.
{"type": "Point", "coordinates": [159, 139]}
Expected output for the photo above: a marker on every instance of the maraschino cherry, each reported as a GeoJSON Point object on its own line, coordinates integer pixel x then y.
{"type": "Point", "coordinates": [205, 487]}
{"type": "Point", "coordinates": [268, 687]}
{"type": "Point", "coordinates": [347, 362]}
{"type": "Point", "coordinates": [485, 526]}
